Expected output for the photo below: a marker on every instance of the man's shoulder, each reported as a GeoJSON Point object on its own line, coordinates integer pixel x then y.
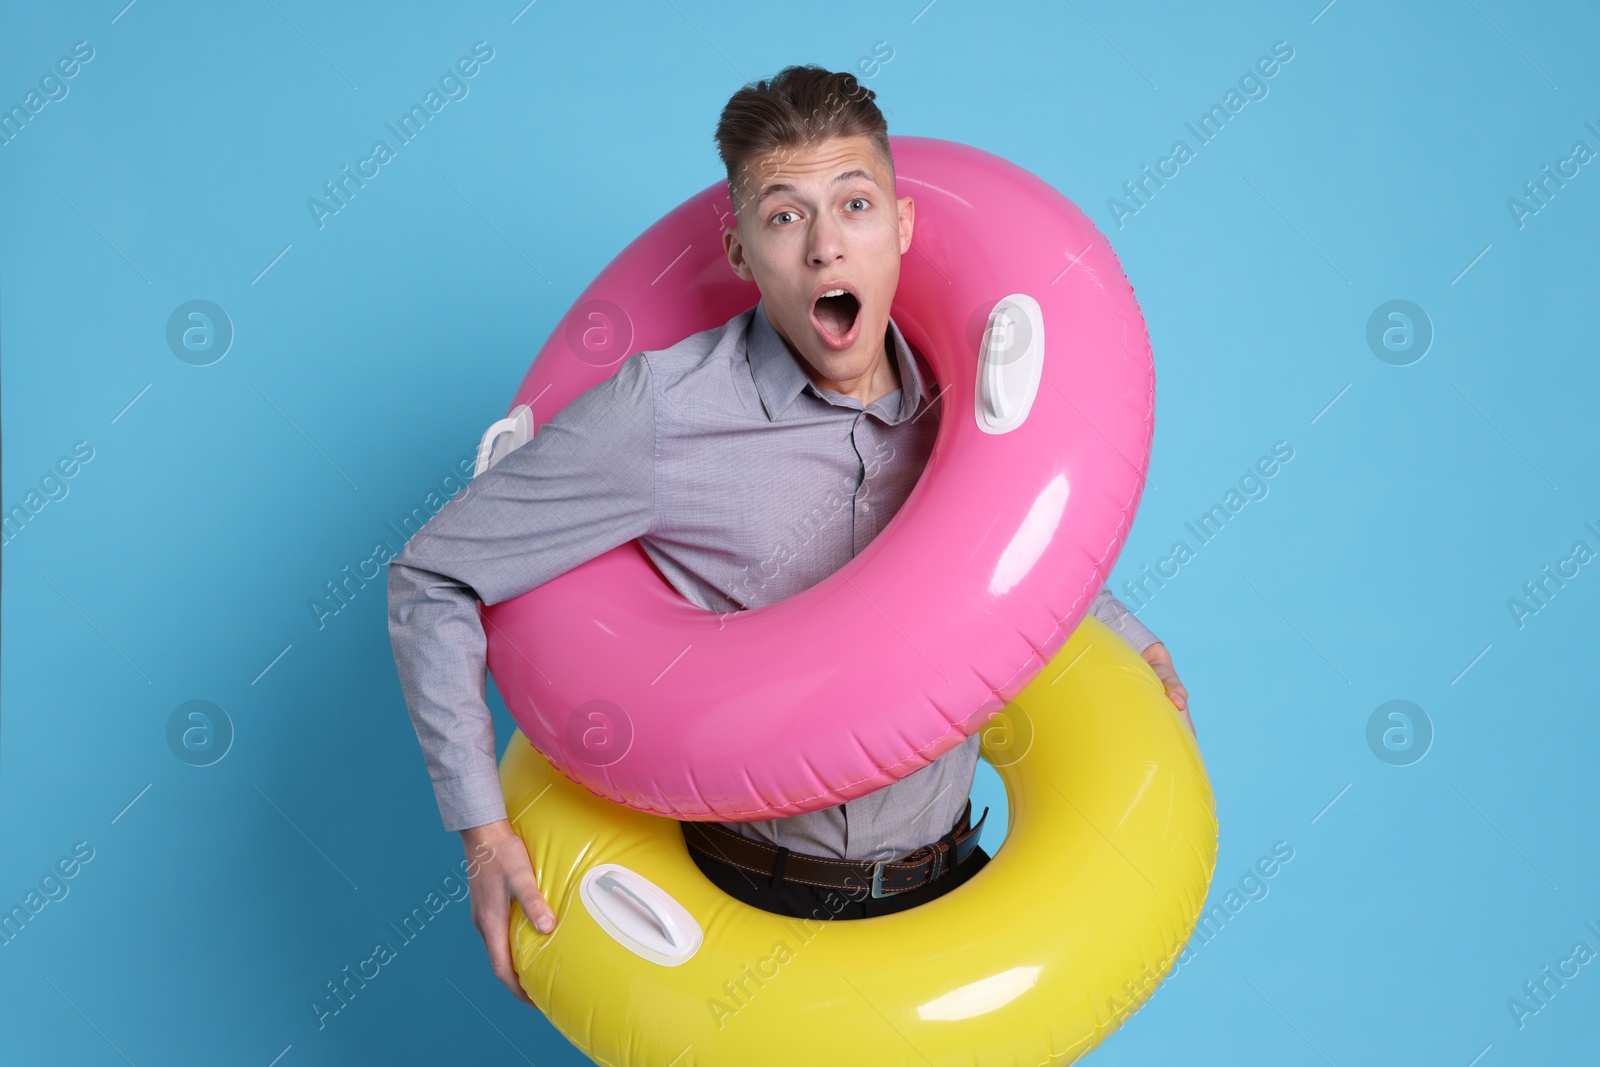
{"type": "Point", "coordinates": [699, 360]}
{"type": "Point", "coordinates": [654, 386]}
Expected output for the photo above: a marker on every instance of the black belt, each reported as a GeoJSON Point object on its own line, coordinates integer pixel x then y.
{"type": "Point", "coordinates": [885, 877]}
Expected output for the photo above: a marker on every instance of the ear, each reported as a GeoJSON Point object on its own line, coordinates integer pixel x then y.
{"type": "Point", "coordinates": [733, 248]}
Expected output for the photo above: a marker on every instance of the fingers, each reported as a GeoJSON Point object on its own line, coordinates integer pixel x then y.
{"type": "Point", "coordinates": [520, 883]}
{"type": "Point", "coordinates": [1160, 661]}
{"type": "Point", "coordinates": [503, 871]}
{"type": "Point", "coordinates": [495, 929]}
{"type": "Point", "coordinates": [1178, 695]}
{"type": "Point", "coordinates": [1174, 688]}
{"type": "Point", "coordinates": [517, 871]}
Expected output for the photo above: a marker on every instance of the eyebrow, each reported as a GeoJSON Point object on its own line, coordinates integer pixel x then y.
{"type": "Point", "coordinates": [785, 187]}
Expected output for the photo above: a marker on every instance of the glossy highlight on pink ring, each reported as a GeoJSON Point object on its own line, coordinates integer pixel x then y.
{"type": "Point", "coordinates": [935, 626]}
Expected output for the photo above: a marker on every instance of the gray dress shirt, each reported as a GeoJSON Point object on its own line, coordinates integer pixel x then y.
{"type": "Point", "coordinates": [743, 482]}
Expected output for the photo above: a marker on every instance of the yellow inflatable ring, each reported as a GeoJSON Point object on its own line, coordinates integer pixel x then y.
{"type": "Point", "coordinates": [1078, 916]}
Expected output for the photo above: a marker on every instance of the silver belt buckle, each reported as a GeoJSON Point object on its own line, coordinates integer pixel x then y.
{"type": "Point", "coordinates": [877, 879]}
{"type": "Point", "coordinates": [877, 874]}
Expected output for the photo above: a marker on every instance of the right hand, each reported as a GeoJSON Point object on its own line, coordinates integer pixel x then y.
{"type": "Point", "coordinates": [1160, 661]}
{"type": "Point", "coordinates": [498, 869]}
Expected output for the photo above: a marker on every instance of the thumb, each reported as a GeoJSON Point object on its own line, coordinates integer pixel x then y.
{"type": "Point", "coordinates": [532, 902]}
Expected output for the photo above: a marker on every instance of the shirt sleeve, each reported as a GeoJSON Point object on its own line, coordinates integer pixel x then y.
{"type": "Point", "coordinates": [1109, 610]}
{"type": "Point", "coordinates": [583, 485]}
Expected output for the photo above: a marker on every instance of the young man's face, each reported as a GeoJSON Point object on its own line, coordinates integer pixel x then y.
{"type": "Point", "coordinates": [813, 220]}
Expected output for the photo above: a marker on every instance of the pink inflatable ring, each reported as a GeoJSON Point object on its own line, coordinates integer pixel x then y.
{"type": "Point", "coordinates": [907, 650]}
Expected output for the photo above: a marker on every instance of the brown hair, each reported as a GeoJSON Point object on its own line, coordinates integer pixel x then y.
{"type": "Point", "coordinates": [798, 107]}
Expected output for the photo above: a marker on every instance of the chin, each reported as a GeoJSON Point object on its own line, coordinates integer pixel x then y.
{"type": "Point", "coordinates": [849, 363]}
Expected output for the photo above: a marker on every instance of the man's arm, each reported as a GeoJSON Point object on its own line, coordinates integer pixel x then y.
{"type": "Point", "coordinates": [1111, 611]}
{"type": "Point", "coordinates": [582, 486]}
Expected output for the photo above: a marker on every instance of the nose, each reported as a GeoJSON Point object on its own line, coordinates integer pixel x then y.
{"type": "Point", "coordinates": [824, 241]}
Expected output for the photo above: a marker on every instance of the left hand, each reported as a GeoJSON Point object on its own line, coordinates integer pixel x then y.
{"type": "Point", "coordinates": [1160, 661]}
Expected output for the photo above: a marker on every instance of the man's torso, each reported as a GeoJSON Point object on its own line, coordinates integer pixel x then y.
{"type": "Point", "coordinates": [751, 510]}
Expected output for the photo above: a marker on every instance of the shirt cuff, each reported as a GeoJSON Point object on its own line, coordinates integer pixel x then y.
{"type": "Point", "coordinates": [1125, 625]}
{"type": "Point", "coordinates": [470, 800]}
{"type": "Point", "coordinates": [1142, 641]}
{"type": "Point", "coordinates": [1133, 631]}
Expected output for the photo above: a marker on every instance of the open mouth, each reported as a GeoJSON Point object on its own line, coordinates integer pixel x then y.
{"type": "Point", "coordinates": [836, 313]}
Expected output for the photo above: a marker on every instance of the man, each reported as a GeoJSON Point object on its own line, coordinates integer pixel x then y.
{"type": "Point", "coordinates": [719, 454]}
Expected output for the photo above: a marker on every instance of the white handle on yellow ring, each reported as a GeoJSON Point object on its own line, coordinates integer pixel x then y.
{"type": "Point", "coordinates": [669, 929]}
{"type": "Point", "coordinates": [618, 899]}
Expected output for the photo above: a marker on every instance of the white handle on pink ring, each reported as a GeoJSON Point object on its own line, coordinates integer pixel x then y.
{"type": "Point", "coordinates": [1011, 364]}
{"type": "Point", "coordinates": [518, 426]}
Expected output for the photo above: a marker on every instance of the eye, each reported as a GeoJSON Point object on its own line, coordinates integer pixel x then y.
{"type": "Point", "coordinates": [858, 200]}
{"type": "Point", "coordinates": [780, 214]}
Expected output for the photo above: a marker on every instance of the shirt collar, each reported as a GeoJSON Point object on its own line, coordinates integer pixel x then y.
{"type": "Point", "coordinates": [779, 377]}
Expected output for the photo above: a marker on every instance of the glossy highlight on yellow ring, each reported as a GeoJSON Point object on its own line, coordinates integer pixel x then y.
{"type": "Point", "coordinates": [1076, 919]}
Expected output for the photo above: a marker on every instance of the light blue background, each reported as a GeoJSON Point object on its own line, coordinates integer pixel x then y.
{"type": "Point", "coordinates": [373, 352]}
